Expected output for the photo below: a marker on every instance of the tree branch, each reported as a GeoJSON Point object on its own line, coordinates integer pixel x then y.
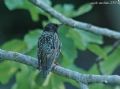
{"type": "Point", "coordinates": [76, 24]}
{"type": "Point", "coordinates": [83, 86]}
{"type": "Point", "coordinates": [83, 78]}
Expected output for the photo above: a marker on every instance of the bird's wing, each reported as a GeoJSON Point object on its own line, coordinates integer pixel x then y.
{"type": "Point", "coordinates": [57, 46]}
{"type": "Point", "coordinates": [46, 53]}
{"type": "Point", "coordinates": [47, 60]}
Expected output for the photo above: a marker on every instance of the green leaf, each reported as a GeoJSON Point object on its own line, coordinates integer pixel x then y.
{"type": "Point", "coordinates": [51, 82]}
{"type": "Point", "coordinates": [31, 38]}
{"type": "Point", "coordinates": [7, 70]}
{"type": "Point", "coordinates": [76, 37]}
{"type": "Point", "coordinates": [32, 52]}
{"type": "Point", "coordinates": [82, 38]}
{"type": "Point", "coordinates": [93, 70]}
{"type": "Point", "coordinates": [27, 5]}
{"type": "Point", "coordinates": [89, 37]}
{"type": "Point", "coordinates": [69, 10]}
{"type": "Point", "coordinates": [112, 62]}
{"type": "Point", "coordinates": [25, 78]}
{"type": "Point", "coordinates": [66, 9]}
{"type": "Point", "coordinates": [97, 50]}
{"type": "Point", "coordinates": [15, 45]}
{"type": "Point", "coordinates": [69, 51]}
{"type": "Point", "coordinates": [83, 9]}
{"type": "Point", "coordinates": [22, 4]}
{"type": "Point", "coordinates": [109, 65]}
{"type": "Point", "coordinates": [56, 82]}
{"type": "Point", "coordinates": [13, 4]}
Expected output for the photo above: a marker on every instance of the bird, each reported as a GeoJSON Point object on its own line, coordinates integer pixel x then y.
{"type": "Point", "coordinates": [49, 46]}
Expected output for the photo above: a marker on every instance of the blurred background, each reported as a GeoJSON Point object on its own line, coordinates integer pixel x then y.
{"type": "Point", "coordinates": [21, 24]}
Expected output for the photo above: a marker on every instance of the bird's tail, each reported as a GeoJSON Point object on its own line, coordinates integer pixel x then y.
{"type": "Point", "coordinates": [45, 70]}
{"type": "Point", "coordinates": [44, 73]}
{"type": "Point", "coordinates": [42, 77]}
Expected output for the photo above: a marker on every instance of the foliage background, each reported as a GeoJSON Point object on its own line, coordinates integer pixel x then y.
{"type": "Point", "coordinates": [21, 24]}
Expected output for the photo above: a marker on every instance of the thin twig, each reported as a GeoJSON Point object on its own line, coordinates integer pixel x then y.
{"type": "Point", "coordinates": [99, 66]}
{"type": "Point", "coordinates": [99, 59]}
{"type": "Point", "coordinates": [84, 78]}
{"type": "Point", "coordinates": [115, 45]}
{"type": "Point", "coordinates": [76, 24]}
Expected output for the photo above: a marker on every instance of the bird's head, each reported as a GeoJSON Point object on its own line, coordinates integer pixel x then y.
{"type": "Point", "coordinates": [51, 27]}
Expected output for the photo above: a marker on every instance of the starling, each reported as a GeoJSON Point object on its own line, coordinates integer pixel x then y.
{"type": "Point", "coordinates": [48, 48]}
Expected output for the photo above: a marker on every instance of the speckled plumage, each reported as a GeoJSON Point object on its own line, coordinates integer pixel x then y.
{"type": "Point", "coordinates": [48, 49]}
